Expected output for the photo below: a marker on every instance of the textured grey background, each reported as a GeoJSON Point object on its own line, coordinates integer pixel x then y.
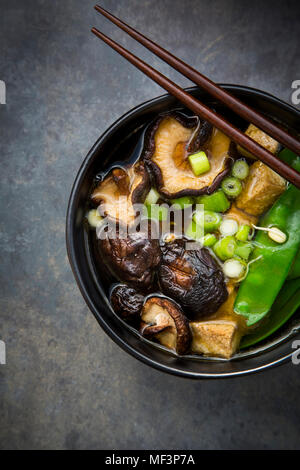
{"type": "Point", "coordinates": [66, 384]}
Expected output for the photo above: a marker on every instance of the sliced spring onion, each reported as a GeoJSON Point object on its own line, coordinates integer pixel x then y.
{"type": "Point", "coordinates": [183, 202]}
{"type": "Point", "coordinates": [243, 250]}
{"type": "Point", "coordinates": [209, 240]}
{"type": "Point", "coordinates": [243, 233]}
{"type": "Point", "coordinates": [247, 269]}
{"type": "Point", "coordinates": [199, 163]}
{"type": "Point", "coordinates": [152, 197]}
{"type": "Point", "coordinates": [225, 248]}
{"type": "Point", "coordinates": [233, 268]}
{"type": "Point", "coordinates": [94, 219]}
{"type": "Point", "coordinates": [240, 169]}
{"type": "Point", "coordinates": [231, 186]}
{"type": "Point", "coordinates": [229, 227]}
{"type": "Point", "coordinates": [156, 212]}
{"type": "Point", "coordinates": [210, 220]}
{"type": "Point", "coordinates": [216, 201]}
{"type": "Point", "coordinates": [194, 231]}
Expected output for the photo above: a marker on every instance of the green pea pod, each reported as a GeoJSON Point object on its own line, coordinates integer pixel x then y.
{"type": "Point", "coordinates": [266, 276]}
{"type": "Point", "coordinates": [295, 269]}
{"type": "Point", "coordinates": [292, 159]}
{"type": "Point", "coordinates": [285, 305]}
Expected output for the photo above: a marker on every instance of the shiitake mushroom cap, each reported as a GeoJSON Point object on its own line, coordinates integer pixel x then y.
{"type": "Point", "coordinates": [193, 278]}
{"type": "Point", "coordinates": [129, 257]}
{"type": "Point", "coordinates": [184, 174]}
{"type": "Point", "coordinates": [126, 302]}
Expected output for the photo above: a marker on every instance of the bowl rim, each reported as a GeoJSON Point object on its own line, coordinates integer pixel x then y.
{"type": "Point", "coordinates": [75, 265]}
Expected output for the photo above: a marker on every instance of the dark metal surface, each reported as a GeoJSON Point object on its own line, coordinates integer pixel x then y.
{"type": "Point", "coordinates": [66, 384]}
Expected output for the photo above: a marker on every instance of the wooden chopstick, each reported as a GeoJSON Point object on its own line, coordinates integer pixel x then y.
{"type": "Point", "coordinates": [212, 88]}
{"type": "Point", "coordinates": [199, 108]}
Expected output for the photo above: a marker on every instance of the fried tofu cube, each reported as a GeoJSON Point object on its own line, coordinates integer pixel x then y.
{"type": "Point", "coordinates": [219, 338]}
{"type": "Point", "coordinates": [240, 216]}
{"type": "Point", "coordinates": [262, 187]}
{"type": "Point", "coordinates": [220, 335]}
{"type": "Point", "coordinates": [262, 139]}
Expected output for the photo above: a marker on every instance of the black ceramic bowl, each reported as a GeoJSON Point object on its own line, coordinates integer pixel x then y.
{"type": "Point", "coordinates": [121, 139]}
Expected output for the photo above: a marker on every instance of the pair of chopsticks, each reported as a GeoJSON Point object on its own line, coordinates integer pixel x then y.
{"type": "Point", "coordinates": [199, 108]}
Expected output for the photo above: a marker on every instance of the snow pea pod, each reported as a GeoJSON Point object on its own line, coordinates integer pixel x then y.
{"type": "Point", "coordinates": [293, 160]}
{"type": "Point", "coordinates": [295, 269]}
{"type": "Point", "coordinates": [266, 276]}
{"type": "Point", "coordinates": [285, 305]}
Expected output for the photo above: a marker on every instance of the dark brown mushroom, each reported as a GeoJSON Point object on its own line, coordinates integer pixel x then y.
{"type": "Point", "coordinates": [126, 302]}
{"type": "Point", "coordinates": [193, 278]}
{"type": "Point", "coordinates": [130, 257]}
{"type": "Point", "coordinates": [120, 190]}
{"type": "Point", "coordinates": [164, 320]}
{"type": "Point", "coordinates": [122, 180]}
{"type": "Point", "coordinates": [169, 142]}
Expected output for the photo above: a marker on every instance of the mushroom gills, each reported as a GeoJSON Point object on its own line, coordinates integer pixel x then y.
{"type": "Point", "coordinates": [168, 160]}
{"type": "Point", "coordinates": [158, 320]}
{"type": "Point", "coordinates": [164, 320]}
{"type": "Point", "coordinates": [120, 190]}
